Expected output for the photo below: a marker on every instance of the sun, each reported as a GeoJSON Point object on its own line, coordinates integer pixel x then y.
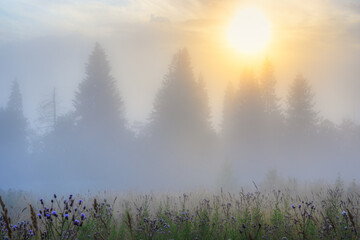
{"type": "Point", "coordinates": [249, 31]}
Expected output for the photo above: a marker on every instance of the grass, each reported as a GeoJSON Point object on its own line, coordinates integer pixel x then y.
{"type": "Point", "coordinates": [330, 213]}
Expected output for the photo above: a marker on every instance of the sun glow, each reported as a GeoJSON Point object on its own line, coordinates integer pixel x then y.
{"type": "Point", "coordinates": [249, 31]}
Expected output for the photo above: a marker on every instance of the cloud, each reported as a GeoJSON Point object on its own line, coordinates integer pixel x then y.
{"type": "Point", "coordinates": [159, 19]}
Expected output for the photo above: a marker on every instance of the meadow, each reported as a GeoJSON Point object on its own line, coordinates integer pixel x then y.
{"type": "Point", "coordinates": [330, 212]}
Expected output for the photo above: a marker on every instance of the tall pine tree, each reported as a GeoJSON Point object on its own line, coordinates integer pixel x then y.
{"type": "Point", "coordinates": [301, 119]}
{"type": "Point", "coordinates": [181, 106]}
{"type": "Point", "coordinates": [15, 124]}
{"type": "Point", "coordinates": [268, 85]}
{"type": "Point", "coordinates": [13, 138]}
{"type": "Point", "coordinates": [98, 106]}
{"type": "Point", "coordinates": [249, 113]}
{"type": "Point", "coordinates": [102, 139]}
{"type": "Point", "coordinates": [180, 129]}
{"type": "Point", "coordinates": [273, 135]}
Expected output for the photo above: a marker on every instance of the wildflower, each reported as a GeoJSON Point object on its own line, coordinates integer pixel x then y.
{"type": "Point", "coordinates": [343, 213]}
{"type": "Point", "coordinates": [66, 216]}
{"type": "Point", "coordinates": [54, 213]}
{"type": "Point", "coordinates": [42, 201]}
{"type": "Point", "coordinates": [80, 201]}
{"type": "Point", "coordinates": [54, 195]}
{"type": "Point", "coordinates": [293, 206]}
{"type": "Point", "coordinates": [83, 216]}
{"type": "Point", "coordinates": [48, 216]}
{"type": "Point", "coordinates": [39, 215]}
{"type": "Point", "coordinates": [76, 222]}
{"type": "Point", "coordinates": [345, 228]}
{"type": "Point", "coordinates": [70, 196]}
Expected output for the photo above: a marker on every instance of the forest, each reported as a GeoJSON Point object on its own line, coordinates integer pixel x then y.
{"type": "Point", "coordinates": [179, 120]}
{"type": "Point", "coordinates": [94, 147]}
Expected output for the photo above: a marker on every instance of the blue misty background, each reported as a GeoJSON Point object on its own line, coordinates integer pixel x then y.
{"type": "Point", "coordinates": [92, 146]}
{"type": "Point", "coordinates": [137, 112]}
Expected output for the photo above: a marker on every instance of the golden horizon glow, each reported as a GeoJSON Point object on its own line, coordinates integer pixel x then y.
{"type": "Point", "coordinates": [249, 31]}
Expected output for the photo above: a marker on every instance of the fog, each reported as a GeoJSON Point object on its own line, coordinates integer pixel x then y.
{"type": "Point", "coordinates": [130, 96]}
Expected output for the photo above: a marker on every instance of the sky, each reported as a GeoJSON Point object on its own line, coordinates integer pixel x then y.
{"type": "Point", "coordinates": [46, 44]}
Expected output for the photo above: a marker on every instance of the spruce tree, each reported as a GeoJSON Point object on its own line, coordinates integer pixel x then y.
{"type": "Point", "coordinates": [268, 85]}
{"type": "Point", "coordinates": [13, 138]}
{"type": "Point", "coordinates": [249, 113]}
{"type": "Point", "coordinates": [98, 106]}
{"type": "Point", "coordinates": [180, 121]}
{"type": "Point", "coordinates": [302, 119]}
{"type": "Point", "coordinates": [101, 140]}
{"type": "Point", "coordinates": [15, 122]}
{"type": "Point", "coordinates": [273, 135]}
{"type": "Point", "coordinates": [181, 106]}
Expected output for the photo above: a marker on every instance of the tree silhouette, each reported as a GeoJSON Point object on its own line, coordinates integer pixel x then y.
{"type": "Point", "coordinates": [181, 106]}
{"type": "Point", "coordinates": [179, 132]}
{"type": "Point", "coordinates": [249, 113]}
{"type": "Point", "coordinates": [13, 137]}
{"type": "Point", "coordinates": [302, 119]}
{"type": "Point", "coordinates": [14, 122]}
{"type": "Point", "coordinates": [271, 101]}
{"type": "Point", "coordinates": [98, 106]}
{"type": "Point", "coordinates": [273, 135]}
{"type": "Point", "coordinates": [94, 136]}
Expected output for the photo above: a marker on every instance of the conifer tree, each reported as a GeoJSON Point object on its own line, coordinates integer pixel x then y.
{"type": "Point", "coordinates": [302, 119]}
{"type": "Point", "coordinates": [15, 123]}
{"type": "Point", "coordinates": [98, 105]}
{"type": "Point", "coordinates": [101, 140]}
{"type": "Point", "coordinates": [249, 112]}
{"type": "Point", "coordinates": [13, 138]}
{"type": "Point", "coordinates": [268, 85]}
{"type": "Point", "coordinates": [181, 106]}
{"type": "Point", "coordinates": [273, 135]}
{"type": "Point", "coordinates": [180, 121]}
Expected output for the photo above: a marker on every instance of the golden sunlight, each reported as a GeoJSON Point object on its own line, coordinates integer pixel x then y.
{"type": "Point", "coordinates": [249, 31]}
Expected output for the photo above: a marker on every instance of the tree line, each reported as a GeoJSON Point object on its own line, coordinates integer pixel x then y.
{"type": "Point", "coordinates": [93, 145]}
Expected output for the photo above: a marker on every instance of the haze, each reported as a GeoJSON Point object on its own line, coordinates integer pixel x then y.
{"type": "Point", "coordinates": [45, 48]}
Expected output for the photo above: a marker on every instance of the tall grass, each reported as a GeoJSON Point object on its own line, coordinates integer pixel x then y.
{"type": "Point", "coordinates": [330, 213]}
